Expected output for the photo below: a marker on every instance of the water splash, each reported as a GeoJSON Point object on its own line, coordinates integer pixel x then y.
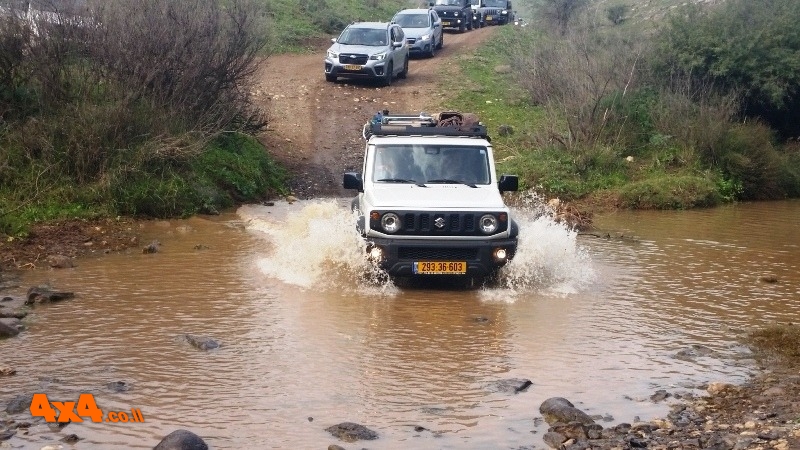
{"type": "Point", "coordinates": [315, 245]}
{"type": "Point", "coordinates": [548, 259]}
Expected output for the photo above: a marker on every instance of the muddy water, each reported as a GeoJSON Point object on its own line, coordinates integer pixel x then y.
{"type": "Point", "coordinates": [310, 338]}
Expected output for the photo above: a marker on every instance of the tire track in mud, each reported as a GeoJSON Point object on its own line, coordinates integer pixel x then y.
{"type": "Point", "coordinates": [315, 126]}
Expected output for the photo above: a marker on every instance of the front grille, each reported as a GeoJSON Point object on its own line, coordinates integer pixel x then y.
{"type": "Point", "coordinates": [353, 58]}
{"type": "Point", "coordinates": [411, 40]}
{"type": "Point", "coordinates": [437, 253]}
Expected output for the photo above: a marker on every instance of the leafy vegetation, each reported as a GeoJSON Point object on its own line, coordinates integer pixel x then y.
{"type": "Point", "coordinates": [151, 119]}
{"type": "Point", "coordinates": [601, 108]}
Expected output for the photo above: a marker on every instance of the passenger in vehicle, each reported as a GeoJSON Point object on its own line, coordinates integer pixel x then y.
{"type": "Point", "coordinates": [396, 165]}
{"type": "Point", "coordinates": [377, 37]}
{"type": "Point", "coordinates": [385, 165]}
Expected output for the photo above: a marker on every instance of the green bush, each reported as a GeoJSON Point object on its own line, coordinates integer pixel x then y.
{"type": "Point", "coordinates": [232, 168]}
{"type": "Point", "coordinates": [746, 154]}
{"type": "Point", "coordinates": [740, 45]}
{"type": "Point", "coordinates": [239, 166]}
{"type": "Point", "coordinates": [670, 192]}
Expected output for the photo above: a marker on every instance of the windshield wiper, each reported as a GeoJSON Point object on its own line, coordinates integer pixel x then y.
{"type": "Point", "coordinates": [449, 181]}
{"type": "Point", "coordinates": [402, 180]}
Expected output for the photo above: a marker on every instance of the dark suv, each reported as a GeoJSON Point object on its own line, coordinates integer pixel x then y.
{"type": "Point", "coordinates": [497, 12]}
{"type": "Point", "coordinates": [374, 50]}
{"type": "Point", "coordinates": [454, 13]}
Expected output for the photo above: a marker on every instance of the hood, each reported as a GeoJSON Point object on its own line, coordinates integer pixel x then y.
{"type": "Point", "coordinates": [439, 196]}
{"type": "Point", "coordinates": [362, 49]}
{"type": "Point", "coordinates": [416, 32]}
{"type": "Point", "coordinates": [447, 8]}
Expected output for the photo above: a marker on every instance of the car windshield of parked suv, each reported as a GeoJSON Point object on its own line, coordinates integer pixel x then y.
{"type": "Point", "coordinates": [412, 20]}
{"type": "Point", "coordinates": [496, 3]}
{"type": "Point", "coordinates": [448, 2]}
{"type": "Point", "coordinates": [363, 36]}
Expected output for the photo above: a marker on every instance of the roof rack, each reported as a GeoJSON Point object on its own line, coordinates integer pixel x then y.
{"type": "Point", "coordinates": [447, 123]}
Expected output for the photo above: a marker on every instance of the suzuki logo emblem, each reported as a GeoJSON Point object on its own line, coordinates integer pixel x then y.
{"type": "Point", "coordinates": [439, 222]}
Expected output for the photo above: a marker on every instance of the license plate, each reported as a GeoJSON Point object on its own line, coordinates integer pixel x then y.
{"type": "Point", "coordinates": [488, 17]}
{"type": "Point", "coordinates": [440, 267]}
{"type": "Point", "coordinates": [352, 67]}
{"type": "Point", "coordinates": [445, 24]}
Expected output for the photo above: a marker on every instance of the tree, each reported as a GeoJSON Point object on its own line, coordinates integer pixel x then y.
{"type": "Point", "coordinates": [751, 47]}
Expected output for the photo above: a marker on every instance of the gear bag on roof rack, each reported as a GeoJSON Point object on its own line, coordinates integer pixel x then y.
{"type": "Point", "coordinates": [450, 123]}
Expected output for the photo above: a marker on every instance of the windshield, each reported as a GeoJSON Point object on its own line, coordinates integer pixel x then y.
{"type": "Point", "coordinates": [448, 2]}
{"type": "Point", "coordinates": [423, 164]}
{"type": "Point", "coordinates": [496, 3]}
{"type": "Point", "coordinates": [363, 36]}
{"type": "Point", "coordinates": [412, 20]}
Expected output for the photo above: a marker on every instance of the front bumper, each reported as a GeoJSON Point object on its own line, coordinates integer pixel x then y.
{"type": "Point", "coordinates": [418, 46]}
{"type": "Point", "coordinates": [399, 256]}
{"type": "Point", "coordinates": [496, 19]}
{"type": "Point", "coordinates": [454, 22]}
{"type": "Point", "coordinates": [372, 69]}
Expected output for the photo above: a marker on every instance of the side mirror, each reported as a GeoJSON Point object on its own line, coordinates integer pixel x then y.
{"type": "Point", "coordinates": [333, 40]}
{"type": "Point", "coordinates": [430, 4]}
{"type": "Point", "coordinates": [352, 180]}
{"type": "Point", "coordinates": [508, 183]}
{"type": "Point", "coordinates": [397, 44]}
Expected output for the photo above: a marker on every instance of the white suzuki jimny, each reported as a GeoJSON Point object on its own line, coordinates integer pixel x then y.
{"type": "Point", "coordinates": [429, 202]}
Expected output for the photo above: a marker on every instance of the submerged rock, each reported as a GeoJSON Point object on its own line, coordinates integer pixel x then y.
{"type": "Point", "coordinates": [201, 342]}
{"type": "Point", "coordinates": [351, 432]}
{"type": "Point", "coordinates": [43, 294]}
{"type": "Point", "coordinates": [181, 440]}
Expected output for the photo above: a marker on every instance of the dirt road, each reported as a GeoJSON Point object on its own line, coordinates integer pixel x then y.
{"type": "Point", "coordinates": [315, 126]}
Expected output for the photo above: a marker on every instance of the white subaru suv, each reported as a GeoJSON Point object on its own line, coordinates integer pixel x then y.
{"type": "Point", "coordinates": [429, 201]}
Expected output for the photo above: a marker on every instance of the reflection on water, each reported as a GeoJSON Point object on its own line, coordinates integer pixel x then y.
{"type": "Point", "coordinates": [307, 343]}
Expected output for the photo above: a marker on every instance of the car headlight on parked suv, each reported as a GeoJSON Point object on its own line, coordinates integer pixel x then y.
{"type": "Point", "coordinates": [487, 223]}
{"type": "Point", "coordinates": [333, 55]}
{"type": "Point", "coordinates": [390, 222]}
{"type": "Point", "coordinates": [455, 14]}
{"type": "Point", "coordinates": [504, 12]}
{"type": "Point", "coordinates": [424, 37]}
{"type": "Point", "coordinates": [378, 56]}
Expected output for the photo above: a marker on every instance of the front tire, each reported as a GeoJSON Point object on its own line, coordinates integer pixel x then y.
{"type": "Point", "coordinates": [388, 75]}
{"type": "Point", "coordinates": [441, 41]}
{"type": "Point", "coordinates": [404, 73]}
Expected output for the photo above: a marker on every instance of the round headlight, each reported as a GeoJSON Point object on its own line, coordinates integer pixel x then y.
{"type": "Point", "coordinates": [390, 222]}
{"type": "Point", "coordinates": [488, 223]}
{"type": "Point", "coordinates": [455, 13]}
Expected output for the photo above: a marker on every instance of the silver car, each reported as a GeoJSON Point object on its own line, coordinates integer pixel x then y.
{"type": "Point", "coordinates": [423, 29]}
{"type": "Point", "coordinates": [371, 50]}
